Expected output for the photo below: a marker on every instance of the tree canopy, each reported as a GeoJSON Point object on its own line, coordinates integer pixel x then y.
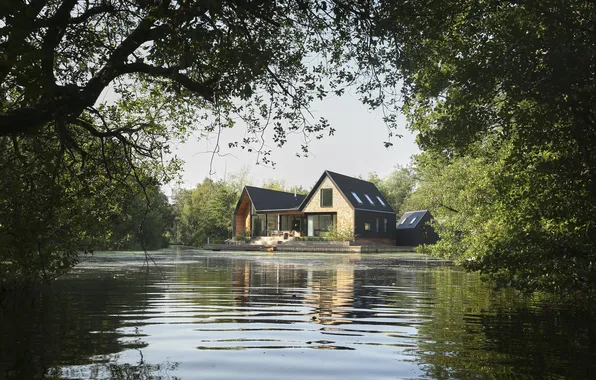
{"type": "Point", "coordinates": [396, 187]}
{"type": "Point", "coordinates": [501, 94]}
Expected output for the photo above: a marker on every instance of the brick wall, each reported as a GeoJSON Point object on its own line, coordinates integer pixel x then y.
{"type": "Point", "coordinates": [345, 212]}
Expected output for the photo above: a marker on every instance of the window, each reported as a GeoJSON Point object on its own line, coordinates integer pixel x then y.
{"type": "Point", "coordinates": [356, 197]}
{"type": "Point", "coordinates": [381, 201]}
{"type": "Point", "coordinates": [326, 197]}
{"type": "Point", "coordinates": [413, 220]}
{"type": "Point", "coordinates": [258, 225]}
{"type": "Point", "coordinates": [370, 200]}
{"type": "Point", "coordinates": [291, 223]}
{"type": "Point", "coordinates": [385, 228]}
{"type": "Point", "coordinates": [377, 229]}
{"type": "Point", "coordinates": [403, 221]}
{"type": "Point", "coordinates": [319, 225]}
{"type": "Point", "coordinates": [366, 226]}
{"type": "Point", "coordinates": [272, 222]}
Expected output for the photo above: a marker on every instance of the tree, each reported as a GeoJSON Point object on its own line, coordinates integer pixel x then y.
{"type": "Point", "coordinates": [59, 56]}
{"type": "Point", "coordinates": [144, 222]}
{"type": "Point", "coordinates": [275, 184]}
{"type": "Point", "coordinates": [204, 212]}
{"type": "Point", "coordinates": [281, 185]}
{"type": "Point", "coordinates": [501, 95]}
{"type": "Point", "coordinates": [395, 187]}
{"type": "Point", "coordinates": [68, 154]}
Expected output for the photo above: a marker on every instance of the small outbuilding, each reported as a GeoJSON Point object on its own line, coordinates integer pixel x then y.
{"type": "Point", "coordinates": [414, 229]}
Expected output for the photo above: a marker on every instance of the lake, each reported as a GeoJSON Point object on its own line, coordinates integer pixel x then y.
{"type": "Point", "coordinates": [213, 315]}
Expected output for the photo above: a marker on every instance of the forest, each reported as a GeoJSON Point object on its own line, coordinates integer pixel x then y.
{"type": "Point", "coordinates": [500, 94]}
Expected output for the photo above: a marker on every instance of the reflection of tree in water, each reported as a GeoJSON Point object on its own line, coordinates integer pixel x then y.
{"type": "Point", "coordinates": [474, 332]}
{"type": "Point", "coordinates": [68, 322]}
{"type": "Point", "coordinates": [118, 371]}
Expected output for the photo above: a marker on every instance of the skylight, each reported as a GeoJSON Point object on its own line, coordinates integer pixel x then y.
{"type": "Point", "coordinates": [370, 200]}
{"type": "Point", "coordinates": [403, 221]}
{"type": "Point", "coordinates": [357, 197]}
{"type": "Point", "coordinates": [413, 220]}
{"type": "Point", "coordinates": [381, 201]}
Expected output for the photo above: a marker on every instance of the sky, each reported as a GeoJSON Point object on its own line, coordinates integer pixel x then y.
{"type": "Point", "coordinates": [355, 149]}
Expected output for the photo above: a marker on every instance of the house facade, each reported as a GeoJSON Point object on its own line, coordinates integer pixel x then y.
{"type": "Point", "coordinates": [336, 201]}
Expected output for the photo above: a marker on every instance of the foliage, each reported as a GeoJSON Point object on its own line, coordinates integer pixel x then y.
{"type": "Point", "coordinates": [281, 185]}
{"type": "Point", "coordinates": [248, 60]}
{"type": "Point", "coordinates": [144, 222]}
{"type": "Point", "coordinates": [310, 238]}
{"type": "Point", "coordinates": [53, 206]}
{"type": "Point", "coordinates": [244, 237]}
{"type": "Point", "coordinates": [204, 212]}
{"type": "Point", "coordinates": [396, 186]}
{"type": "Point", "coordinates": [501, 95]}
{"type": "Point", "coordinates": [274, 184]}
{"type": "Point", "coordinates": [339, 234]}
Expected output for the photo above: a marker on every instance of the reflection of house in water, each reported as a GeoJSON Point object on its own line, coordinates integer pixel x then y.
{"type": "Point", "coordinates": [258, 281]}
{"type": "Point", "coordinates": [331, 293]}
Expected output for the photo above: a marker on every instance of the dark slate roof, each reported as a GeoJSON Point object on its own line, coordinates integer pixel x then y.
{"type": "Point", "coordinates": [411, 219]}
{"type": "Point", "coordinates": [347, 185]}
{"type": "Point", "coordinates": [268, 200]}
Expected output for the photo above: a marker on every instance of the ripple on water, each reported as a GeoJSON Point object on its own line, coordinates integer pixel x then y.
{"type": "Point", "coordinates": [234, 316]}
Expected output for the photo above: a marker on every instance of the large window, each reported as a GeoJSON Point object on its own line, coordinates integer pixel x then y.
{"type": "Point", "coordinates": [272, 222]}
{"type": "Point", "coordinates": [319, 225]}
{"type": "Point", "coordinates": [258, 225]}
{"type": "Point", "coordinates": [291, 223]}
{"type": "Point", "coordinates": [326, 197]}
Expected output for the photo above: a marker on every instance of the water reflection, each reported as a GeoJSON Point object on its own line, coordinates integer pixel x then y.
{"type": "Point", "coordinates": [271, 316]}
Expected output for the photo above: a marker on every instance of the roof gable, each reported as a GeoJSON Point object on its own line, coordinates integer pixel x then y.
{"type": "Point", "coordinates": [362, 195]}
{"type": "Point", "coordinates": [270, 200]}
{"type": "Point", "coordinates": [412, 219]}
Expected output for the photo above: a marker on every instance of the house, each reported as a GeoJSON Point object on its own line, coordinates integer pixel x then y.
{"type": "Point", "coordinates": [336, 200]}
{"type": "Point", "coordinates": [414, 229]}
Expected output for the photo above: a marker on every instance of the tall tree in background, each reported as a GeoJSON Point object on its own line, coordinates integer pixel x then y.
{"type": "Point", "coordinates": [204, 212]}
{"type": "Point", "coordinates": [395, 187]}
{"type": "Point", "coordinates": [144, 221]}
{"type": "Point", "coordinates": [502, 96]}
{"type": "Point", "coordinates": [281, 185]}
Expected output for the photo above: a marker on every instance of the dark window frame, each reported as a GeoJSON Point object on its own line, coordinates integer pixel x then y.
{"type": "Point", "coordinates": [322, 198]}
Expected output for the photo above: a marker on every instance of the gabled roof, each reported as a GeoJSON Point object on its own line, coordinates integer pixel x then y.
{"type": "Point", "coordinates": [269, 200]}
{"type": "Point", "coordinates": [411, 219]}
{"type": "Point", "coordinates": [349, 185]}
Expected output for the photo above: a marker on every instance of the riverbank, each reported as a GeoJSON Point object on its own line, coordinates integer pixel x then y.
{"type": "Point", "coordinates": [306, 247]}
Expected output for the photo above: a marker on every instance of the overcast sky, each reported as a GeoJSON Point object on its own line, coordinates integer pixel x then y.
{"type": "Point", "coordinates": [355, 149]}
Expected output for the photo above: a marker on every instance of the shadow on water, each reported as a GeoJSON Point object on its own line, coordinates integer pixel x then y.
{"type": "Point", "coordinates": [264, 316]}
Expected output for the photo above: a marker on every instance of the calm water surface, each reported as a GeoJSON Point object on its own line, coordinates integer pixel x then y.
{"type": "Point", "coordinates": [201, 315]}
